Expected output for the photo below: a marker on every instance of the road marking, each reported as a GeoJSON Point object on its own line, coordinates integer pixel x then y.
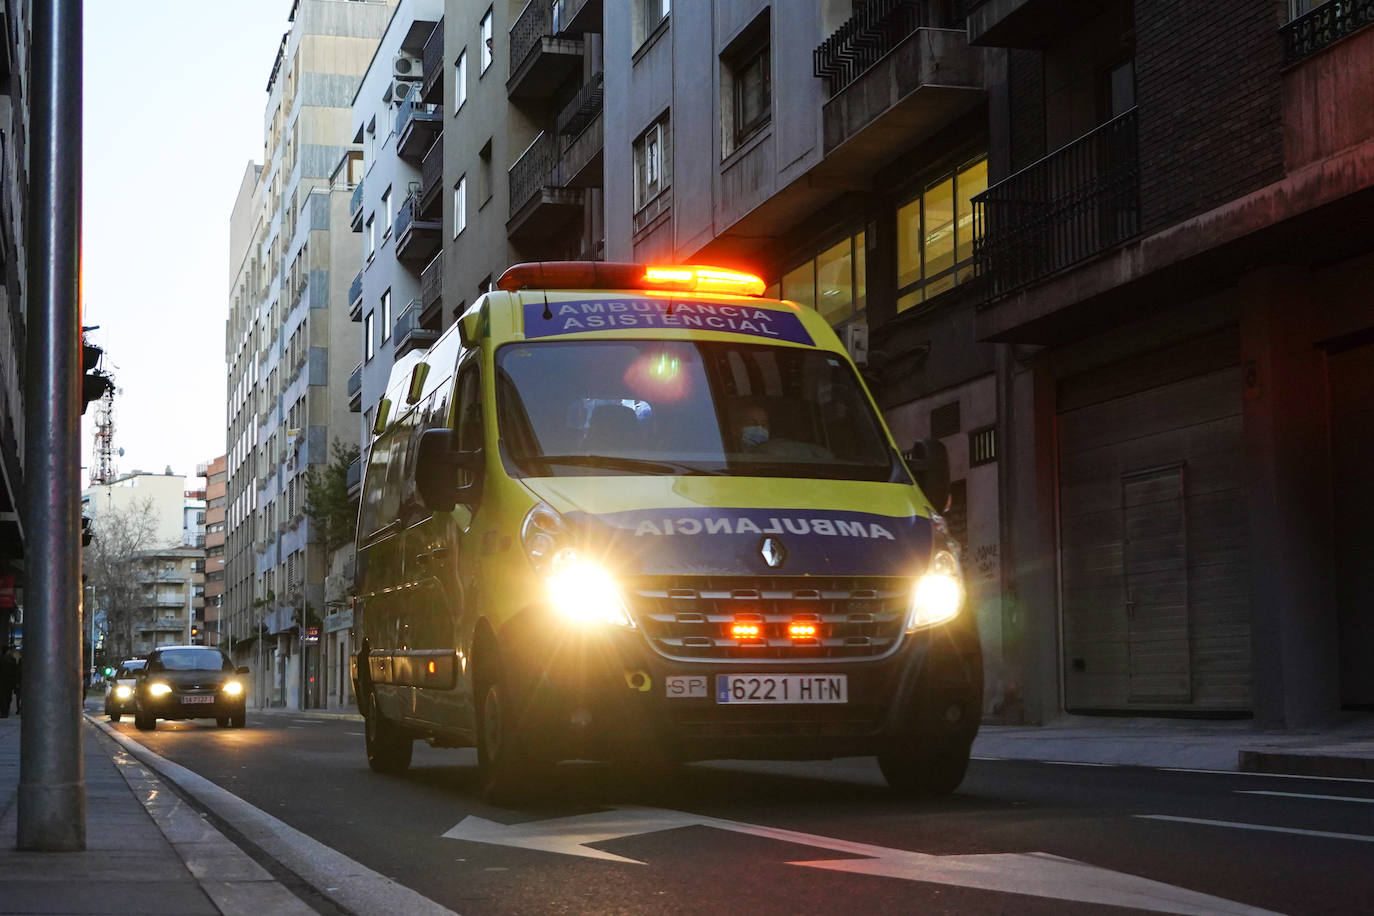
{"type": "Point", "coordinates": [1358, 837]}
{"type": "Point", "coordinates": [1265, 775]}
{"type": "Point", "coordinates": [1339, 798]}
{"type": "Point", "coordinates": [1036, 874]}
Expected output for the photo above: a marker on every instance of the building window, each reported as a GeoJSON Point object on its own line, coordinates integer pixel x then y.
{"type": "Point", "coordinates": [370, 237]}
{"type": "Point", "coordinates": [834, 281]}
{"type": "Point", "coordinates": [386, 315]}
{"type": "Point", "coordinates": [982, 446]}
{"type": "Point", "coordinates": [369, 343]}
{"type": "Point", "coordinates": [746, 86]}
{"type": "Point", "coordinates": [648, 15]}
{"type": "Point", "coordinates": [935, 236]}
{"type": "Point", "coordinates": [486, 38]}
{"type": "Point", "coordinates": [460, 80]}
{"type": "Point", "coordinates": [386, 211]}
{"type": "Point", "coordinates": [460, 206]}
{"type": "Point", "coordinates": [652, 163]}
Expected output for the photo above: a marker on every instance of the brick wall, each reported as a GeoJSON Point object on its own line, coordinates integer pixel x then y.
{"type": "Point", "coordinates": [1026, 88]}
{"type": "Point", "coordinates": [1209, 96]}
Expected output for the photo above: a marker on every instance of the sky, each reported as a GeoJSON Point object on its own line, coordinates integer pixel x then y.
{"type": "Point", "coordinates": [174, 93]}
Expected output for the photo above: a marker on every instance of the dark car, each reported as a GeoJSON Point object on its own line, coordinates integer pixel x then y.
{"type": "Point", "coordinates": [119, 689]}
{"type": "Point", "coordinates": [189, 682]}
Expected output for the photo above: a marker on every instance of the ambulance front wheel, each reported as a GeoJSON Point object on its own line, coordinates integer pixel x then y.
{"type": "Point", "coordinates": [388, 747]}
{"type": "Point", "coordinates": [930, 769]}
{"type": "Point", "coordinates": [508, 769]}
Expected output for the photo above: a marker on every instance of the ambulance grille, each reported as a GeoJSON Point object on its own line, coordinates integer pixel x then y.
{"type": "Point", "coordinates": [690, 617]}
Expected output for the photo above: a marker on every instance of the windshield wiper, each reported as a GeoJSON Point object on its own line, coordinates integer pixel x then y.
{"type": "Point", "coordinates": [624, 464]}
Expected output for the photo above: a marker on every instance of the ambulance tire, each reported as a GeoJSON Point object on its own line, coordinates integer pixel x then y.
{"type": "Point", "coordinates": [508, 772]}
{"type": "Point", "coordinates": [389, 748]}
{"type": "Point", "coordinates": [929, 771]}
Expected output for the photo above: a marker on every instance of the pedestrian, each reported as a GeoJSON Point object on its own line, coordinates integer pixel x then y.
{"type": "Point", "coordinates": [9, 680]}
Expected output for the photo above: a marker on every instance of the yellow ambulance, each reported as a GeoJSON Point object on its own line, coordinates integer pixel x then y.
{"type": "Point", "coordinates": [644, 514]}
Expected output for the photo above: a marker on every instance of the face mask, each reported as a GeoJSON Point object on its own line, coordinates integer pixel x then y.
{"type": "Point", "coordinates": [754, 435]}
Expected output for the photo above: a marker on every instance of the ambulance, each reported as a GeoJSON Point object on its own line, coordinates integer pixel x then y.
{"type": "Point", "coordinates": [645, 515]}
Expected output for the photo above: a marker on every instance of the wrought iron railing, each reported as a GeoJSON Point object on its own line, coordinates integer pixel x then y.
{"type": "Point", "coordinates": [1076, 202]}
{"type": "Point", "coordinates": [355, 382]}
{"type": "Point", "coordinates": [1324, 26]}
{"type": "Point", "coordinates": [532, 171]}
{"type": "Point", "coordinates": [875, 29]}
{"type": "Point", "coordinates": [584, 107]}
{"type": "Point", "coordinates": [432, 281]}
{"type": "Point", "coordinates": [355, 203]}
{"type": "Point", "coordinates": [414, 108]}
{"type": "Point", "coordinates": [533, 23]}
{"type": "Point", "coordinates": [433, 61]}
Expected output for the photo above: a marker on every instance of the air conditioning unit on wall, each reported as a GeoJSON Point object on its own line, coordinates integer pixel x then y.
{"type": "Point", "coordinates": [855, 338]}
{"type": "Point", "coordinates": [400, 91]}
{"type": "Point", "coordinates": [406, 67]}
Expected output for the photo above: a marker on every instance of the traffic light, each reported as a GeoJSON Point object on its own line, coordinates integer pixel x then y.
{"type": "Point", "coordinates": [94, 381]}
{"type": "Point", "coordinates": [108, 671]}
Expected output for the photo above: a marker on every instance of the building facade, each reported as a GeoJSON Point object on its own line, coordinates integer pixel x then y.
{"type": "Point", "coordinates": [1177, 252]}
{"type": "Point", "coordinates": [289, 344]}
{"type": "Point", "coordinates": [214, 475]}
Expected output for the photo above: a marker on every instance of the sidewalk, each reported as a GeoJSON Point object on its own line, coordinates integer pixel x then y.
{"type": "Point", "coordinates": [147, 850]}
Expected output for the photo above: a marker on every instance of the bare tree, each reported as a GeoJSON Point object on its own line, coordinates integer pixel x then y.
{"type": "Point", "coordinates": [113, 561]}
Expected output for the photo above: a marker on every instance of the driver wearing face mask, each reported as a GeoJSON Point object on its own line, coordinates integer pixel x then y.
{"type": "Point", "coordinates": [751, 422]}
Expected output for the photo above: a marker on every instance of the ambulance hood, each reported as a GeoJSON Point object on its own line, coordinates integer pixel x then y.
{"type": "Point", "coordinates": [744, 526]}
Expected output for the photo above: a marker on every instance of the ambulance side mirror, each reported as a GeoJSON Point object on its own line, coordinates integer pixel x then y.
{"type": "Point", "coordinates": [929, 462]}
{"type": "Point", "coordinates": [436, 469]}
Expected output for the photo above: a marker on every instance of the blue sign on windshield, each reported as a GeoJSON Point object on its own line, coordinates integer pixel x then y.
{"type": "Point", "coordinates": [581, 316]}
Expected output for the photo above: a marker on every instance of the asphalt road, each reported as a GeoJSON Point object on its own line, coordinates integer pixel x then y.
{"type": "Point", "coordinates": [805, 837]}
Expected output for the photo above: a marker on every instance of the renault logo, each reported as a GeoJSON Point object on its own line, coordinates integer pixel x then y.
{"type": "Point", "coordinates": [773, 552]}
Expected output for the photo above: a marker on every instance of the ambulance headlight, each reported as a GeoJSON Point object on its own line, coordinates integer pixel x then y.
{"type": "Point", "coordinates": [541, 535]}
{"type": "Point", "coordinates": [939, 594]}
{"type": "Point", "coordinates": [582, 591]}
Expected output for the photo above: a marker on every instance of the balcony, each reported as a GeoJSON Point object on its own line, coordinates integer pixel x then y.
{"type": "Point", "coordinates": [355, 298]}
{"type": "Point", "coordinates": [432, 181]}
{"type": "Point", "coordinates": [409, 333]}
{"type": "Point", "coordinates": [355, 389]}
{"type": "Point", "coordinates": [354, 479]}
{"type": "Point", "coordinates": [432, 287]}
{"type": "Point", "coordinates": [355, 209]}
{"type": "Point", "coordinates": [432, 86]}
{"type": "Point", "coordinates": [416, 239]}
{"type": "Point", "coordinates": [1322, 27]}
{"type": "Point", "coordinates": [895, 74]}
{"type": "Point", "coordinates": [1025, 23]}
{"type": "Point", "coordinates": [1078, 201]}
{"type": "Point", "coordinates": [577, 17]}
{"type": "Point", "coordinates": [579, 128]}
{"type": "Point", "coordinates": [417, 124]}
{"type": "Point", "coordinates": [539, 61]}
{"type": "Point", "coordinates": [540, 209]}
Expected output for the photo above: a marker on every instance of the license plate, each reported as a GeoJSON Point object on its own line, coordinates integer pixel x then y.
{"type": "Point", "coordinates": [756, 689]}
{"type": "Point", "coordinates": [197, 699]}
{"type": "Point", "coordinates": [685, 686]}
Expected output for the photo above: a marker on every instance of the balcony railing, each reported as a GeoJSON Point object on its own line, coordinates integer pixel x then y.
{"type": "Point", "coordinates": [432, 283]}
{"type": "Point", "coordinates": [355, 382]}
{"type": "Point", "coordinates": [354, 478]}
{"type": "Point", "coordinates": [1076, 202]}
{"type": "Point", "coordinates": [584, 107]}
{"type": "Point", "coordinates": [875, 29]}
{"type": "Point", "coordinates": [432, 88]}
{"type": "Point", "coordinates": [1324, 26]}
{"type": "Point", "coordinates": [355, 208]}
{"type": "Point", "coordinates": [576, 17]}
{"type": "Point", "coordinates": [533, 23]}
{"type": "Point", "coordinates": [416, 125]}
{"type": "Point", "coordinates": [532, 171]}
{"type": "Point", "coordinates": [432, 178]}
{"type": "Point", "coordinates": [404, 216]}
{"type": "Point", "coordinates": [409, 333]}
{"type": "Point", "coordinates": [355, 293]}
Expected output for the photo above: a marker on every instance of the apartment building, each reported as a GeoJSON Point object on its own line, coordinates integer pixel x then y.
{"type": "Point", "coordinates": [1177, 250]}
{"type": "Point", "coordinates": [14, 120]}
{"type": "Point", "coordinates": [214, 475]}
{"type": "Point", "coordinates": [289, 343]}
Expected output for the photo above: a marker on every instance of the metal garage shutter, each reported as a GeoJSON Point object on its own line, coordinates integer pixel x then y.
{"type": "Point", "coordinates": [1153, 555]}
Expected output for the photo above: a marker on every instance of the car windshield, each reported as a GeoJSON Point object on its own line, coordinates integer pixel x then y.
{"type": "Point", "coordinates": [193, 660]}
{"type": "Point", "coordinates": [687, 407]}
{"type": "Point", "coordinates": [129, 669]}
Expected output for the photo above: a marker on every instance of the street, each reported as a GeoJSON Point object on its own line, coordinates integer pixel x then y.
{"type": "Point", "coordinates": [803, 837]}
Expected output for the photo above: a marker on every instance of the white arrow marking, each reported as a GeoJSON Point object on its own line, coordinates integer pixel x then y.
{"type": "Point", "coordinates": [1037, 874]}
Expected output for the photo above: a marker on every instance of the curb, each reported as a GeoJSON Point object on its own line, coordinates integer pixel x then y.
{"type": "Point", "coordinates": [1287, 764]}
{"type": "Point", "coordinates": [309, 714]}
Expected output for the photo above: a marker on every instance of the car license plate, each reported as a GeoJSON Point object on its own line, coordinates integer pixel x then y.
{"type": "Point", "coordinates": [755, 689]}
{"type": "Point", "coordinates": [685, 686]}
{"type": "Point", "coordinates": [198, 699]}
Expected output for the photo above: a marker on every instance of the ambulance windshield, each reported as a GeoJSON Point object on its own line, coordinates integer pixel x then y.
{"type": "Point", "coordinates": [687, 407]}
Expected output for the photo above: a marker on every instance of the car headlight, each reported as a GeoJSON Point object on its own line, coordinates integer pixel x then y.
{"type": "Point", "coordinates": [580, 590]}
{"type": "Point", "coordinates": [939, 593]}
{"type": "Point", "coordinates": [123, 693]}
{"type": "Point", "coordinates": [233, 688]}
{"type": "Point", "coordinates": [159, 690]}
